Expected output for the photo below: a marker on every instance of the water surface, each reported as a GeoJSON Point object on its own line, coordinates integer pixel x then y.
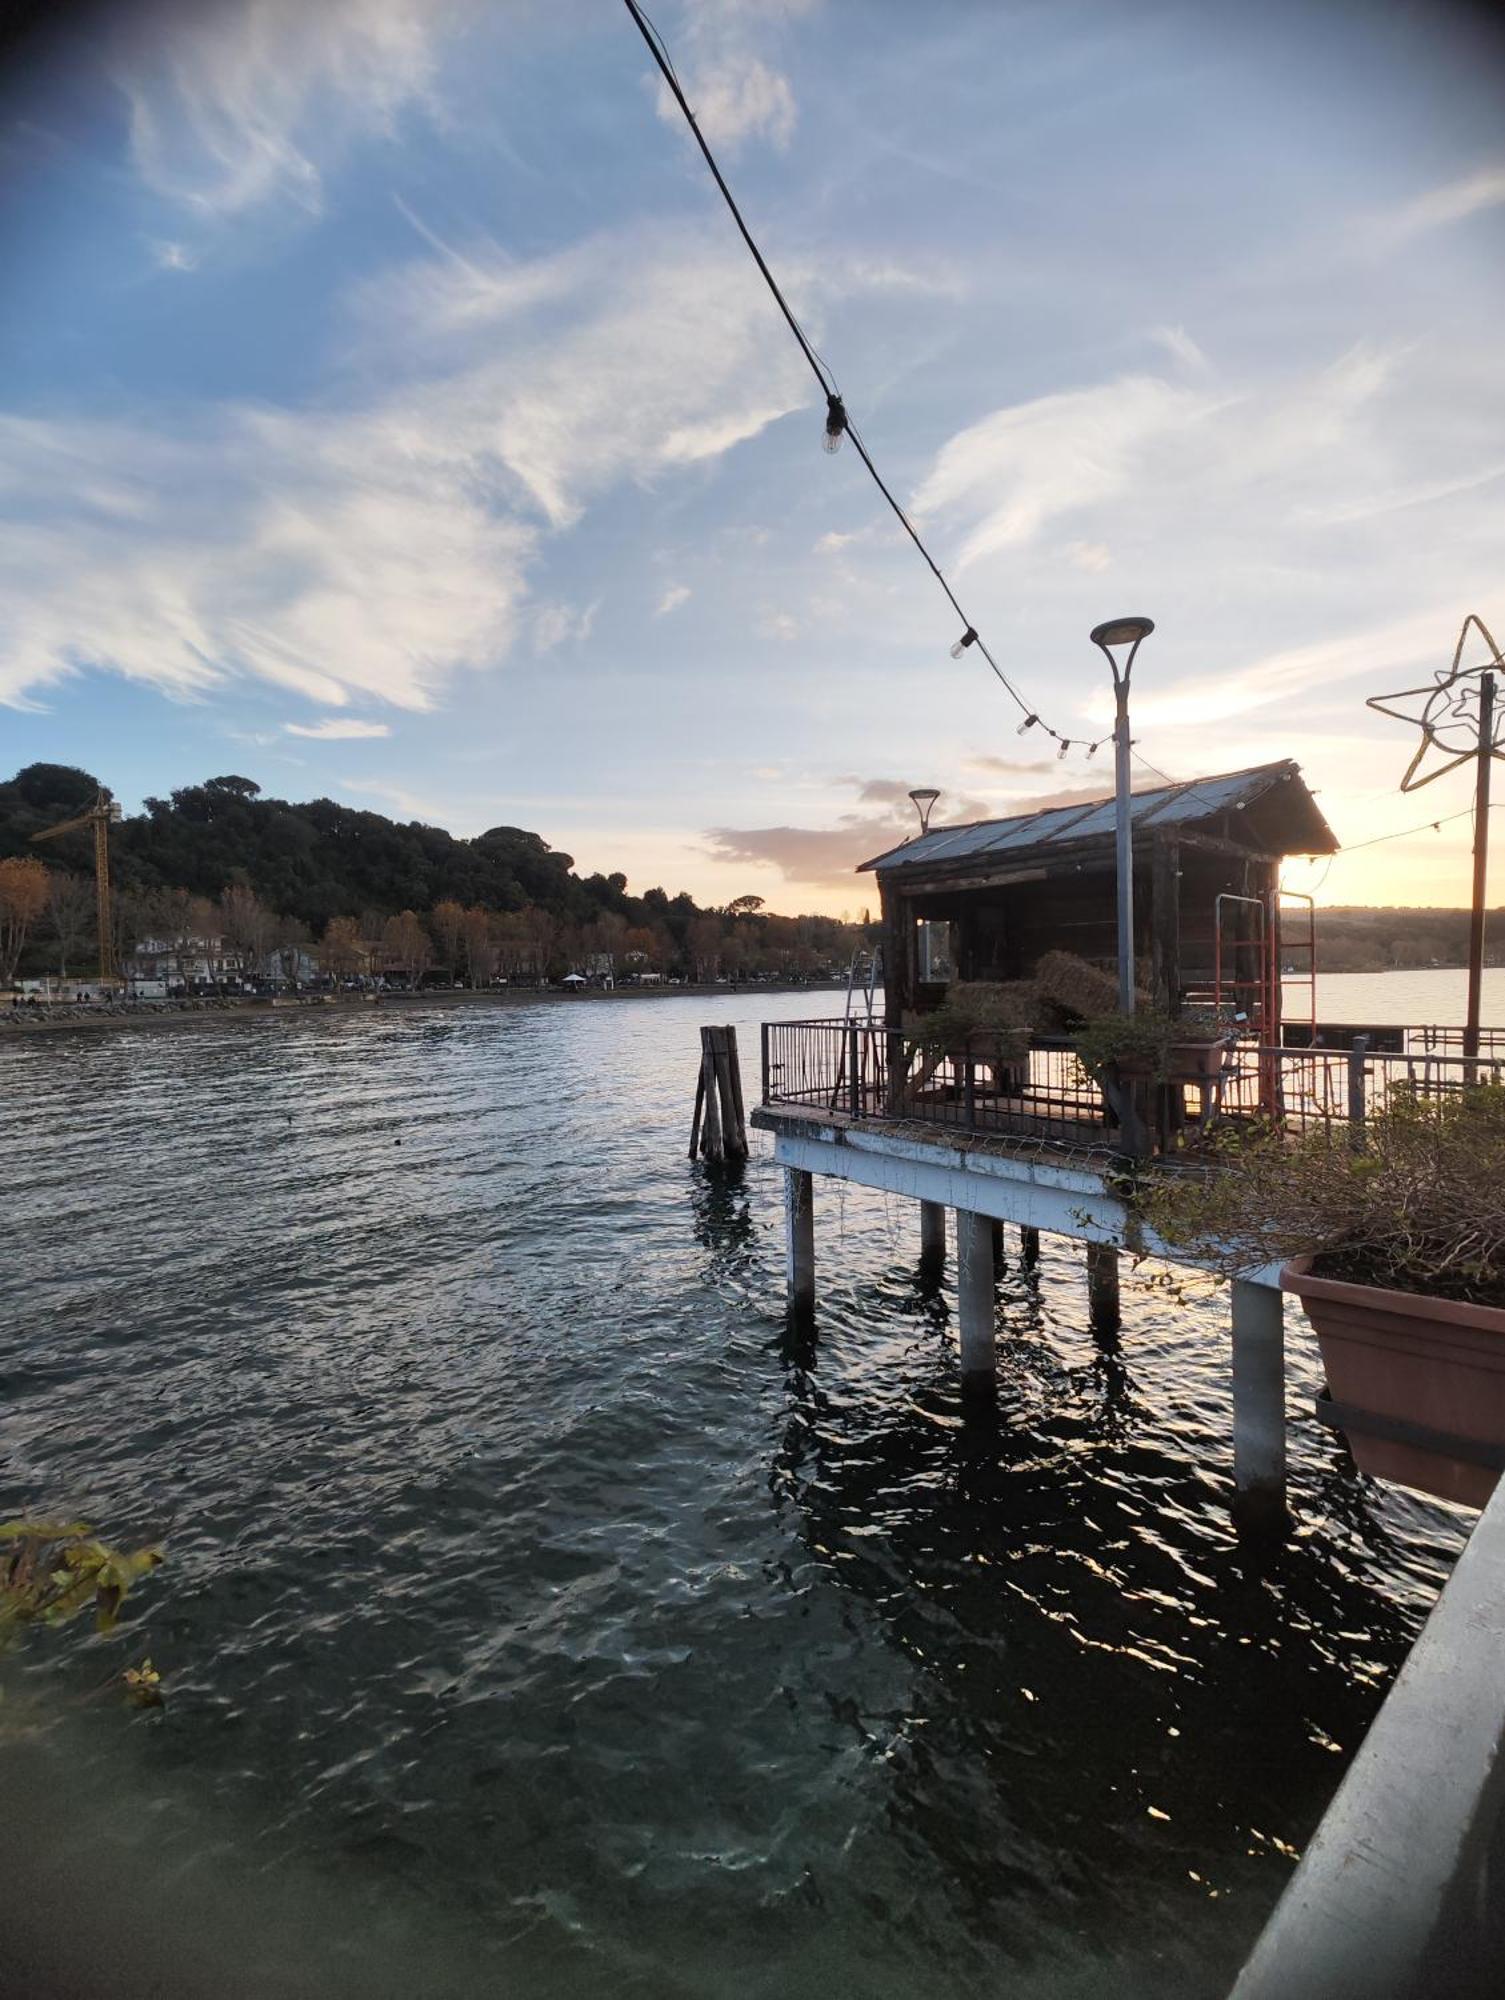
{"type": "Point", "coordinates": [542, 1617]}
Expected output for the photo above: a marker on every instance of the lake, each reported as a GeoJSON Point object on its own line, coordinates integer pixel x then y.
{"type": "Point", "coordinates": [1433, 998]}
{"type": "Point", "coordinates": [542, 1617]}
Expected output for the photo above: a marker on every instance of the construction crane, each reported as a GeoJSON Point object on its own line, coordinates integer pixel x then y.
{"type": "Point", "coordinates": [99, 816]}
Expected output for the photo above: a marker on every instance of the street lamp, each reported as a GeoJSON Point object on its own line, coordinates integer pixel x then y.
{"type": "Point", "coordinates": [1112, 639]}
{"type": "Point", "coordinates": [924, 798]}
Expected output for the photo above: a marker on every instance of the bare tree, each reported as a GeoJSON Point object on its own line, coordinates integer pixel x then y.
{"type": "Point", "coordinates": [71, 914]}
{"type": "Point", "coordinates": [249, 926]}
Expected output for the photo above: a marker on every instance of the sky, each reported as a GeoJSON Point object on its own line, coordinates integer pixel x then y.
{"type": "Point", "coordinates": [389, 412]}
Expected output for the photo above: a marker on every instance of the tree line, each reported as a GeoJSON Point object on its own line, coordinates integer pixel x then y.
{"type": "Point", "coordinates": [279, 884]}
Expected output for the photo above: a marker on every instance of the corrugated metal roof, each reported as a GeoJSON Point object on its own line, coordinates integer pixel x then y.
{"type": "Point", "coordinates": [1184, 804]}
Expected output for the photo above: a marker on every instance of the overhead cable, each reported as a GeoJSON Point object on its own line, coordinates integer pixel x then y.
{"type": "Point", "coordinates": [838, 421]}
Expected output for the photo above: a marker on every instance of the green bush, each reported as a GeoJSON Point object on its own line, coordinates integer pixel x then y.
{"type": "Point", "coordinates": [1142, 1040]}
{"type": "Point", "coordinates": [992, 1020]}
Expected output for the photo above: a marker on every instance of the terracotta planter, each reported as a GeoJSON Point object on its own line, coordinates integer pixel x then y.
{"type": "Point", "coordinates": [1415, 1375]}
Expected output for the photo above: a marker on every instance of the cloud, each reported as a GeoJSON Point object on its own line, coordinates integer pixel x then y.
{"type": "Point", "coordinates": [625, 355]}
{"type": "Point", "coordinates": [826, 857]}
{"type": "Point", "coordinates": [173, 257]}
{"type": "Point", "coordinates": [225, 99]}
{"type": "Point", "coordinates": [1386, 654]}
{"type": "Point", "coordinates": [299, 551]}
{"type": "Point", "coordinates": [1179, 344]}
{"type": "Point", "coordinates": [1004, 767]}
{"type": "Point", "coordinates": [336, 730]}
{"type": "Point", "coordinates": [1172, 448]}
{"type": "Point", "coordinates": [1021, 467]}
{"type": "Point", "coordinates": [378, 548]}
{"type": "Point", "coordinates": [734, 94]}
{"type": "Point", "coordinates": [1453, 203]}
{"type": "Point", "coordinates": [735, 99]}
{"type": "Point", "coordinates": [1090, 556]}
{"type": "Point", "coordinates": [554, 624]}
{"type": "Point", "coordinates": [673, 597]}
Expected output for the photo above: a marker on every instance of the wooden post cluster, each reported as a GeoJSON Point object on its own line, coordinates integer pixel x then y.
{"type": "Point", "coordinates": [718, 1131]}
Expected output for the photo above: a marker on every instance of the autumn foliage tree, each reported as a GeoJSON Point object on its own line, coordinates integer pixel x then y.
{"type": "Point", "coordinates": [24, 891]}
{"type": "Point", "coordinates": [342, 951]}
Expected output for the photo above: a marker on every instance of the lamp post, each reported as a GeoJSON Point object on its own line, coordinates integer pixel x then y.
{"type": "Point", "coordinates": [1111, 639]}
{"type": "Point", "coordinates": [923, 798]}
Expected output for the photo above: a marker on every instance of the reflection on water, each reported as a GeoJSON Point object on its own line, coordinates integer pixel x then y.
{"type": "Point", "coordinates": [545, 1611]}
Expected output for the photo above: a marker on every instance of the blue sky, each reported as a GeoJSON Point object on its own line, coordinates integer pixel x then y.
{"type": "Point", "coordinates": [390, 412]}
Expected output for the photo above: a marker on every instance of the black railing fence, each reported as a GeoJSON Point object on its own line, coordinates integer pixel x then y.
{"type": "Point", "coordinates": [861, 1070]}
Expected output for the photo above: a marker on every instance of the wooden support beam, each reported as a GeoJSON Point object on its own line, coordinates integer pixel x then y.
{"type": "Point", "coordinates": [932, 1234]}
{"type": "Point", "coordinates": [1103, 1308]}
{"type": "Point", "coordinates": [977, 1305]}
{"type": "Point", "coordinates": [723, 1126]}
{"type": "Point", "coordinates": [799, 1223]}
{"type": "Point", "coordinates": [1029, 1247]}
{"type": "Point", "coordinates": [1259, 1412]}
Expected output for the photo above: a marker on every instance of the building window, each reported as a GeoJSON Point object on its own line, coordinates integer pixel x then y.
{"type": "Point", "coordinates": [934, 941]}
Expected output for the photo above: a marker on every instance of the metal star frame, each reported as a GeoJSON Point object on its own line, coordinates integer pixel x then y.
{"type": "Point", "coordinates": [1451, 709]}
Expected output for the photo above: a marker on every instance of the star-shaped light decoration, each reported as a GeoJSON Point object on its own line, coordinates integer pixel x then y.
{"type": "Point", "coordinates": [1450, 717]}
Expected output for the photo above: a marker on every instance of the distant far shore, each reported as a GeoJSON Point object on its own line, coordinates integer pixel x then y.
{"type": "Point", "coordinates": [25, 1023]}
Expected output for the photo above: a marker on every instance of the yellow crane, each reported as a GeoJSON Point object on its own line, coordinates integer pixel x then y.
{"type": "Point", "coordinates": [100, 815]}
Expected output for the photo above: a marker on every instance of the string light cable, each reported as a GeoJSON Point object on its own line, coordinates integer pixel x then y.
{"type": "Point", "coordinates": [838, 420]}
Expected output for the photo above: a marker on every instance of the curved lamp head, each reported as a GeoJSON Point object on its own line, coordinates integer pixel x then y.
{"type": "Point", "coordinates": [1111, 637]}
{"type": "Point", "coordinates": [924, 798]}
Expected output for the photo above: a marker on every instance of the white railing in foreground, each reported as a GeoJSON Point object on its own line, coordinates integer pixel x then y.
{"type": "Point", "coordinates": [1398, 1893]}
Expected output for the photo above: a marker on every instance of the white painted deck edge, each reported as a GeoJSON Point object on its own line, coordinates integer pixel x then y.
{"type": "Point", "coordinates": [1359, 1916]}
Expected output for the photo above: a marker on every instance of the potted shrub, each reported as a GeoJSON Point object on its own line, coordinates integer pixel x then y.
{"type": "Point", "coordinates": [1185, 1048]}
{"type": "Point", "coordinates": [1397, 1253]}
{"type": "Point", "coordinates": [978, 1021]}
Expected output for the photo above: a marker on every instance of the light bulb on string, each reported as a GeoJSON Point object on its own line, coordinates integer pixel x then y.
{"type": "Point", "coordinates": [967, 639]}
{"type": "Point", "coordinates": [1065, 746]}
{"type": "Point", "coordinates": [1028, 723]}
{"type": "Point", "coordinates": [1091, 749]}
{"type": "Point", "coordinates": [836, 423]}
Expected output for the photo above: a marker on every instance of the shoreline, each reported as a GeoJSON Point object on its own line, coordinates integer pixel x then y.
{"type": "Point", "coordinates": [25, 1024]}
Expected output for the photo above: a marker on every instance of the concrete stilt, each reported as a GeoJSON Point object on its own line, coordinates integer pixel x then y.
{"type": "Point", "coordinates": [932, 1233]}
{"type": "Point", "coordinates": [1259, 1413]}
{"type": "Point", "coordinates": [1029, 1247]}
{"type": "Point", "coordinates": [1102, 1287]}
{"type": "Point", "coordinates": [799, 1220]}
{"type": "Point", "coordinates": [978, 1307]}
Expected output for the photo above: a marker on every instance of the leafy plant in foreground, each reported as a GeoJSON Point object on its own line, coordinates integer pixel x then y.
{"type": "Point", "coordinates": [1418, 1210]}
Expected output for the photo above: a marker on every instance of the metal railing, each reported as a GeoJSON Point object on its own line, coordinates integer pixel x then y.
{"type": "Point", "coordinates": [861, 1071]}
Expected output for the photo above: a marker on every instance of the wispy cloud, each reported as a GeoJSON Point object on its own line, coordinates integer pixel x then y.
{"type": "Point", "coordinates": [302, 552]}
{"type": "Point", "coordinates": [337, 730]}
{"type": "Point", "coordinates": [1022, 467]}
{"type": "Point", "coordinates": [556, 624]}
{"type": "Point", "coordinates": [1444, 205]}
{"type": "Point", "coordinates": [824, 857]}
{"type": "Point", "coordinates": [173, 257]}
{"type": "Point", "coordinates": [376, 549]}
{"type": "Point", "coordinates": [1382, 655]}
{"type": "Point", "coordinates": [1179, 344]}
{"type": "Point", "coordinates": [225, 100]}
{"type": "Point", "coordinates": [1067, 456]}
{"type": "Point", "coordinates": [733, 92]}
{"type": "Point", "coordinates": [673, 597]}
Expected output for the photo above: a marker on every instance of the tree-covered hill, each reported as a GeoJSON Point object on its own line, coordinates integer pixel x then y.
{"type": "Point", "coordinates": [219, 858]}
{"type": "Point", "coordinates": [312, 861]}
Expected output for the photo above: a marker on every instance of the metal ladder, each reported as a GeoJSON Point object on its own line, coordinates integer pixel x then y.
{"type": "Point", "coordinates": [863, 974]}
